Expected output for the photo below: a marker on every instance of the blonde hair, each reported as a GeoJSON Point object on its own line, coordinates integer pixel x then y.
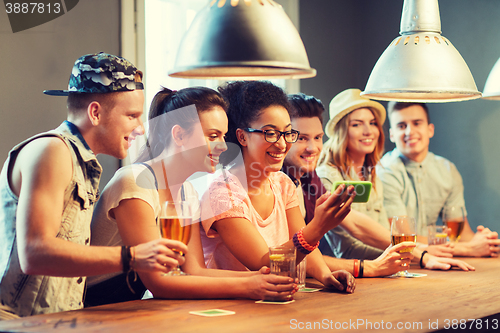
{"type": "Point", "coordinates": [335, 154]}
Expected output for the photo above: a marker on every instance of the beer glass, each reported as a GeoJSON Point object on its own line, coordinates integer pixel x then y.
{"type": "Point", "coordinates": [454, 219]}
{"type": "Point", "coordinates": [175, 222]}
{"type": "Point", "coordinates": [403, 229]}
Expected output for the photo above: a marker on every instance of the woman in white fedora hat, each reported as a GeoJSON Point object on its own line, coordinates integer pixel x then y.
{"type": "Point", "coordinates": [354, 148]}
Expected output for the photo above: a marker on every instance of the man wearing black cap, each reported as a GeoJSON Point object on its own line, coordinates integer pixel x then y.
{"type": "Point", "coordinates": [48, 187]}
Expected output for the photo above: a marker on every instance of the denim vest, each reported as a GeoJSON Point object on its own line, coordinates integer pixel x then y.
{"type": "Point", "coordinates": [27, 295]}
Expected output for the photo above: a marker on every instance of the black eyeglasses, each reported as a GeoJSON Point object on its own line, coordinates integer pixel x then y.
{"type": "Point", "coordinates": [273, 136]}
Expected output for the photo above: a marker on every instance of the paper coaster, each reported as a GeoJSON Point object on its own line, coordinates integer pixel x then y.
{"type": "Point", "coordinates": [212, 313]}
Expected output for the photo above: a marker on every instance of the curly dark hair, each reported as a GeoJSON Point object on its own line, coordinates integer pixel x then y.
{"type": "Point", "coordinates": [246, 101]}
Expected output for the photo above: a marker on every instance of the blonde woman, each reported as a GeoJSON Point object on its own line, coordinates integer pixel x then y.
{"type": "Point", "coordinates": [354, 147]}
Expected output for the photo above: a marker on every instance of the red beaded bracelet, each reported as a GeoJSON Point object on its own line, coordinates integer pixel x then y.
{"type": "Point", "coordinates": [304, 243]}
{"type": "Point", "coordinates": [299, 246]}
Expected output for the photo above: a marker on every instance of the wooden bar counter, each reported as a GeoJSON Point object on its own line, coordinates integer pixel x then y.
{"type": "Point", "coordinates": [439, 300]}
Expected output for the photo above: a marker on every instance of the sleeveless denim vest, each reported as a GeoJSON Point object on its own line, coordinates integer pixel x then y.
{"type": "Point", "coordinates": [27, 295]}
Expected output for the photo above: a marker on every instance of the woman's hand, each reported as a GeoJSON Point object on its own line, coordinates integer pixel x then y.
{"type": "Point", "coordinates": [433, 262]}
{"type": "Point", "coordinates": [390, 262]}
{"type": "Point", "coordinates": [158, 255]}
{"type": "Point", "coordinates": [332, 208]}
{"type": "Point", "coordinates": [340, 280]}
{"type": "Point", "coordinates": [269, 286]}
{"type": "Point", "coordinates": [443, 250]}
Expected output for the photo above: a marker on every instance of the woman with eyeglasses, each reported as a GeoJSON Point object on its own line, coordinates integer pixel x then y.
{"type": "Point", "coordinates": [186, 135]}
{"type": "Point", "coordinates": [253, 205]}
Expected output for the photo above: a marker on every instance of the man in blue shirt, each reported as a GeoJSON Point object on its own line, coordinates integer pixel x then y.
{"type": "Point", "coordinates": [419, 183]}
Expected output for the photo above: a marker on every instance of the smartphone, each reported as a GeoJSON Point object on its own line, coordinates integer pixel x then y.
{"type": "Point", "coordinates": [362, 188]}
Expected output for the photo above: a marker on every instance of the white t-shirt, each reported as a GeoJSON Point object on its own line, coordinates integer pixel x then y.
{"type": "Point", "coordinates": [134, 181]}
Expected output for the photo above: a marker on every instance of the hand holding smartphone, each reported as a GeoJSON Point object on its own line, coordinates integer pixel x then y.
{"type": "Point", "coordinates": [362, 188]}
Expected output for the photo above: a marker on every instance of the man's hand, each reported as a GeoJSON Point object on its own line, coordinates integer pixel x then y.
{"type": "Point", "coordinates": [443, 250]}
{"type": "Point", "coordinates": [391, 261]}
{"type": "Point", "coordinates": [490, 234]}
{"type": "Point", "coordinates": [484, 243]}
{"type": "Point", "coordinates": [340, 280]}
{"type": "Point", "coordinates": [158, 255]}
{"type": "Point", "coordinates": [433, 262]}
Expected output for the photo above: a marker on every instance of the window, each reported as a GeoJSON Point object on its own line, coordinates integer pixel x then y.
{"type": "Point", "coordinates": [165, 24]}
{"type": "Point", "coordinates": [159, 28]}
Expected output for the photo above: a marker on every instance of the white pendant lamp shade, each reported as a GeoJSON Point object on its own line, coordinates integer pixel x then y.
{"type": "Point", "coordinates": [421, 65]}
{"type": "Point", "coordinates": [242, 39]}
{"type": "Point", "coordinates": [492, 86]}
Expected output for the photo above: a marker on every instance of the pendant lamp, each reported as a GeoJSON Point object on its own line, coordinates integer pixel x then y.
{"type": "Point", "coordinates": [492, 85]}
{"type": "Point", "coordinates": [242, 39]}
{"type": "Point", "coordinates": [421, 65]}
